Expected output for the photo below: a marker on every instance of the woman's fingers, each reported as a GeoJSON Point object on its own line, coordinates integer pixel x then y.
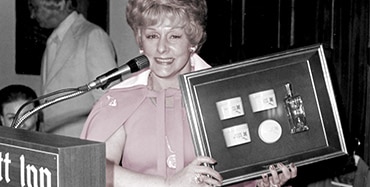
{"type": "Point", "coordinates": [204, 172]}
{"type": "Point", "coordinates": [278, 179]}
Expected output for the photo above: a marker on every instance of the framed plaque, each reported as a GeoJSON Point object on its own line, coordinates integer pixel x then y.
{"type": "Point", "coordinates": [276, 108]}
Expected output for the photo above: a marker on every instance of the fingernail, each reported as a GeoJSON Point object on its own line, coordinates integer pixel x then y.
{"type": "Point", "coordinates": [272, 167]}
{"type": "Point", "coordinates": [280, 165]}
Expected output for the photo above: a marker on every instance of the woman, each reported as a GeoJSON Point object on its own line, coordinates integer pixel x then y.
{"type": "Point", "coordinates": [142, 120]}
{"type": "Point", "coordinates": [12, 98]}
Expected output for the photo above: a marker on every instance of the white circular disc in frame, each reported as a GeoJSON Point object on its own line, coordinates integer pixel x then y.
{"type": "Point", "coordinates": [269, 131]}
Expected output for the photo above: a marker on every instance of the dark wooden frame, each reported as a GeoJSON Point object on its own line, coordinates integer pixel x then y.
{"type": "Point", "coordinates": [307, 70]}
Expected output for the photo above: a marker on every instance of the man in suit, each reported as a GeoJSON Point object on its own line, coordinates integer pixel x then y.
{"type": "Point", "coordinates": [77, 52]}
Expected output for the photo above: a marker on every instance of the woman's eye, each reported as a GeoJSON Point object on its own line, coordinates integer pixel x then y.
{"type": "Point", "coordinates": [151, 36]}
{"type": "Point", "coordinates": [175, 36]}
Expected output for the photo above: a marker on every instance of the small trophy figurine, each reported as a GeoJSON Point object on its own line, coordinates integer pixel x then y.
{"type": "Point", "coordinates": [295, 109]}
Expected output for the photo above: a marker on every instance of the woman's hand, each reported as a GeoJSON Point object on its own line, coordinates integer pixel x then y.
{"type": "Point", "coordinates": [277, 180]}
{"type": "Point", "coordinates": [196, 174]}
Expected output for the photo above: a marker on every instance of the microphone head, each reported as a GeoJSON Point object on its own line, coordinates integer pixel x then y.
{"type": "Point", "coordinates": [138, 63]}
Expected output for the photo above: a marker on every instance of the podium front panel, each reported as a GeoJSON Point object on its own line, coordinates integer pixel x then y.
{"type": "Point", "coordinates": [38, 159]}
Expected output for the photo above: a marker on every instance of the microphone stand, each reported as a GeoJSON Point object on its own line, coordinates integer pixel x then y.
{"type": "Point", "coordinates": [75, 92]}
{"type": "Point", "coordinates": [17, 122]}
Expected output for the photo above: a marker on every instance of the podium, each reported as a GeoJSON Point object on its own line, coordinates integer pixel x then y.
{"type": "Point", "coordinates": [46, 160]}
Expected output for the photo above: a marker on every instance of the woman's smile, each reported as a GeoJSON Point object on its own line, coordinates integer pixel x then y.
{"type": "Point", "coordinates": [164, 61]}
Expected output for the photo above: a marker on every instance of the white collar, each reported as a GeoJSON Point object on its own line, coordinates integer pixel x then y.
{"type": "Point", "coordinates": [61, 30]}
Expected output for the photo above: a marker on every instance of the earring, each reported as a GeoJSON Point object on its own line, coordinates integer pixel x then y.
{"type": "Point", "coordinates": [141, 51]}
{"type": "Point", "coordinates": [192, 49]}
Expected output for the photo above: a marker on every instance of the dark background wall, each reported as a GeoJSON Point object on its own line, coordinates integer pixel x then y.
{"type": "Point", "coordinates": [243, 29]}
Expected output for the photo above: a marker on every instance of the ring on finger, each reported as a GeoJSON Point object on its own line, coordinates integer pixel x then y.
{"type": "Point", "coordinates": [198, 178]}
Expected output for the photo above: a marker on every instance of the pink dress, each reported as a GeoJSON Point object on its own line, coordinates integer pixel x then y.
{"type": "Point", "coordinates": [158, 140]}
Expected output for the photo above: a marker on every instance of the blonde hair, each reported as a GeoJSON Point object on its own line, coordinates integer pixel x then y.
{"type": "Point", "coordinates": [189, 14]}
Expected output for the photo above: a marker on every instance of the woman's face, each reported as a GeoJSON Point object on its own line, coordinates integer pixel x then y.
{"type": "Point", "coordinates": [10, 110]}
{"type": "Point", "coordinates": [167, 48]}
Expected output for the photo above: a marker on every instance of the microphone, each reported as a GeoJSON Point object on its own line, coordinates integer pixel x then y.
{"type": "Point", "coordinates": [132, 66]}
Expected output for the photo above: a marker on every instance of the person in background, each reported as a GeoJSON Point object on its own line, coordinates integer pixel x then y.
{"type": "Point", "coordinates": [142, 120]}
{"type": "Point", "coordinates": [76, 53]}
{"type": "Point", "coordinates": [12, 97]}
